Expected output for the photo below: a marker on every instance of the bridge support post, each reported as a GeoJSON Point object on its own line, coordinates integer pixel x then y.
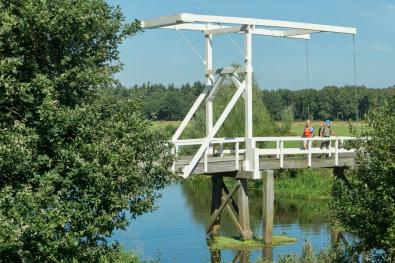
{"type": "Point", "coordinates": [267, 253]}
{"type": "Point", "coordinates": [244, 212]}
{"type": "Point", "coordinates": [217, 182]}
{"type": "Point", "coordinates": [248, 99]}
{"type": "Point", "coordinates": [268, 205]}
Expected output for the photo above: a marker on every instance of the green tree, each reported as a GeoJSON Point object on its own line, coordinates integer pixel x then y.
{"type": "Point", "coordinates": [287, 118]}
{"type": "Point", "coordinates": [364, 202]}
{"type": "Point", "coordinates": [234, 124]}
{"type": "Point", "coordinates": [71, 162]}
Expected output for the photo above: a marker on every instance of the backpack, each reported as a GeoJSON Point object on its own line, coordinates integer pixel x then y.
{"type": "Point", "coordinates": [322, 129]}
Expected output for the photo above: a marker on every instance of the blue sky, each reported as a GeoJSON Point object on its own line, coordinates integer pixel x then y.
{"type": "Point", "coordinates": [162, 56]}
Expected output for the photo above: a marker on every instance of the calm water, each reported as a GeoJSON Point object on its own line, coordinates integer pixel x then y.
{"type": "Point", "coordinates": [175, 232]}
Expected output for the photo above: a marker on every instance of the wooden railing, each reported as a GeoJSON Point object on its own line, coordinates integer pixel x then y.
{"type": "Point", "coordinates": [283, 146]}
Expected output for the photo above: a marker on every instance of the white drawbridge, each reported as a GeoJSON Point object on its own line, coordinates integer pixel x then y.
{"type": "Point", "coordinates": [217, 25]}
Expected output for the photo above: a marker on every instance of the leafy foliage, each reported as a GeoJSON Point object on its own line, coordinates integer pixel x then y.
{"type": "Point", "coordinates": [287, 118]}
{"type": "Point", "coordinates": [335, 254]}
{"type": "Point", "coordinates": [234, 124]}
{"type": "Point", "coordinates": [172, 103]}
{"type": "Point", "coordinates": [364, 202]}
{"type": "Point", "coordinates": [331, 102]}
{"type": "Point", "coordinates": [71, 162]}
{"type": "Point", "coordinates": [160, 102]}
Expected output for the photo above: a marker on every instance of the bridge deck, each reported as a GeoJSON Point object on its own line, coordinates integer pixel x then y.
{"type": "Point", "coordinates": [227, 163]}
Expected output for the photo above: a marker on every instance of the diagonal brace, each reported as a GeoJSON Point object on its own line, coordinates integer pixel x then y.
{"type": "Point", "coordinates": [216, 87]}
{"type": "Point", "coordinates": [225, 201]}
{"type": "Point", "coordinates": [189, 168]}
{"type": "Point", "coordinates": [192, 111]}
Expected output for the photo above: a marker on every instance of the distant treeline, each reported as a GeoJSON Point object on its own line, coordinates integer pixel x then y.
{"type": "Point", "coordinates": [337, 103]}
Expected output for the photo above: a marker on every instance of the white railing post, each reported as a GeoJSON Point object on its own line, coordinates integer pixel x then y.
{"type": "Point", "coordinates": [237, 157]}
{"type": "Point", "coordinates": [337, 152]}
{"type": "Point", "coordinates": [173, 152]}
{"type": "Point", "coordinates": [209, 81]}
{"type": "Point", "coordinates": [221, 150]}
{"type": "Point", "coordinates": [330, 148]}
{"type": "Point", "coordinates": [309, 145]}
{"type": "Point", "coordinates": [205, 160]}
{"type": "Point", "coordinates": [255, 160]}
{"type": "Point", "coordinates": [281, 154]}
{"type": "Point", "coordinates": [278, 148]}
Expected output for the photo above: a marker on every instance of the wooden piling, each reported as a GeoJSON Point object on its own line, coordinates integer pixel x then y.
{"type": "Point", "coordinates": [267, 254]}
{"type": "Point", "coordinates": [217, 182]}
{"type": "Point", "coordinates": [244, 213]}
{"type": "Point", "coordinates": [268, 206]}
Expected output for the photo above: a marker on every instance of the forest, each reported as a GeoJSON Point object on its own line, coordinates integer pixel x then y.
{"type": "Point", "coordinates": [160, 102]}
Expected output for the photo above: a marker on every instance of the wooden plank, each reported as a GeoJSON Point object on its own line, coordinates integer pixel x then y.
{"type": "Point", "coordinates": [268, 206]}
{"type": "Point", "coordinates": [214, 216]}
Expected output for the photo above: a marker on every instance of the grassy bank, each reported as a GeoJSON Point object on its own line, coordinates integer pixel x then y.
{"type": "Point", "coordinates": [341, 128]}
{"type": "Point", "coordinates": [308, 184]}
{"type": "Point", "coordinates": [303, 184]}
{"type": "Point", "coordinates": [222, 242]}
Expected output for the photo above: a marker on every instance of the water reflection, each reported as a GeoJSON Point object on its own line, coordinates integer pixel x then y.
{"type": "Point", "coordinates": [243, 256]}
{"type": "Point", "coordinates": [176, 231]}
{"type": "Point", "coordinates": [308, 215]}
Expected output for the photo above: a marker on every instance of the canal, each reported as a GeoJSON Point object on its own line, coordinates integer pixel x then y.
{"type": "Point", "coordinates": [175, 232]}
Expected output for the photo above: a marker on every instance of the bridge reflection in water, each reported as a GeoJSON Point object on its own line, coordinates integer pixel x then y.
{"type": "Point", "coordinates": [311, 217]}
{"type": "Point", "coordinates": [225, 158]}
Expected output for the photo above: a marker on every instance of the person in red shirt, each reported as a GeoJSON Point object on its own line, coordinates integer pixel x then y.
{"type": "Point", "coordinates": [308, 132]}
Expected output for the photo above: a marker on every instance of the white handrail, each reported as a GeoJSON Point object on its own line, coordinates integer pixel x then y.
{"type": "Point", "coordinates": [279, 151]}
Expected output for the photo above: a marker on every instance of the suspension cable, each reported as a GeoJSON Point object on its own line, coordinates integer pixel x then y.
{"type": "Point", "coordinates": [233, 42]}
{"type": "Point", "coordinates": [307, 64]}
{"type": "Point", "coordinates": [191, 46]}
{"type": "Point", "coordinates": [355, 79]}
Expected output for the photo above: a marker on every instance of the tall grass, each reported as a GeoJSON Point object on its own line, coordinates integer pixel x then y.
{"type": "Point", "coordinates": [308, 184]}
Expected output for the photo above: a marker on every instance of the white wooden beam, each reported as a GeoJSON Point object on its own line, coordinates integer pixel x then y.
{"type": "Point", "coordinates": [215, 88]}
{"type": "Point", "coordinates": [189, 168]}
{"type": "Point", "coordinates": [276, 33]}
{"type": "Point", "coordinates": [256, 31]}
{"type": "Point", "coordinates": [161, 21]}
{"type": "Point", "coordinates": [194, 18]}
{"type": "Point", "coordinates": [209, 80]}
{"type": "Point", "coordinates": [187, 17]}
{"type": "Point", "coordinates": [248, 100]}
{"type": "Point", "coordinates": [191, 112]}
{"type": "Point", "coordinates": [226, 70]}
{"type": "Point", "coordinates": [226, 30]}
{"type": "Point", "coordinates": [298, 32]}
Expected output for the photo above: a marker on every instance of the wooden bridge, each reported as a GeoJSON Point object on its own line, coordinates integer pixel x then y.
{"type": "Point", "coordinates": [248, 157]}
{"type": "Point", "coordinates": [226, 156]}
